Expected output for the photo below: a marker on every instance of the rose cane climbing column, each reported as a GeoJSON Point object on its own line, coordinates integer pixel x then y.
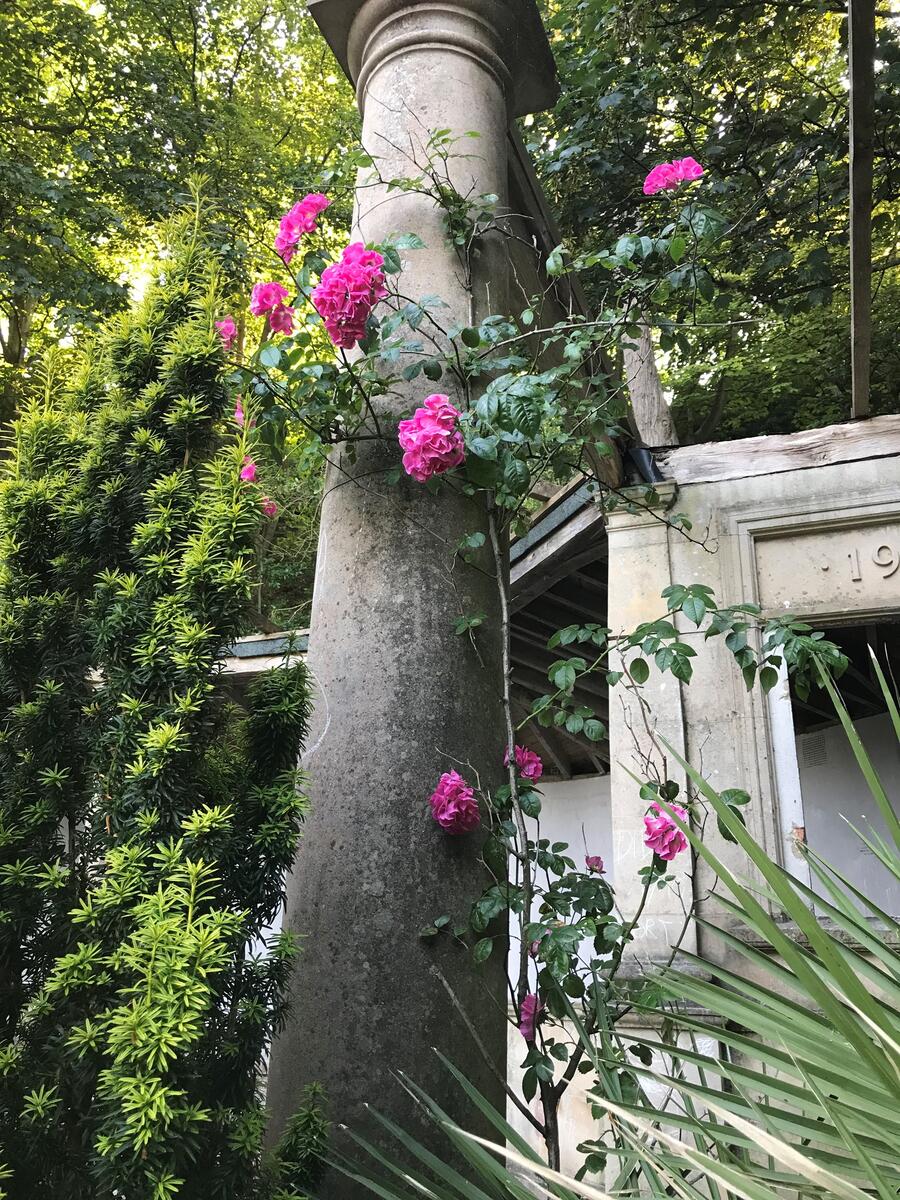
{"type": "Point", "coordinates": [401, 697]}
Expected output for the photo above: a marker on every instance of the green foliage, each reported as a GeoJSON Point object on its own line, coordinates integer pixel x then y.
{"type": "Point", "coordinates": [787, 374]}
{"type": "Point", "coordinates": [97, 140]}
{"type": "Point", "coordinates": [759, 340]}
{"type": "Point", "coordinates": [759, 648]}
{"type": "Point", "coordinates": [287, 546]}
{"type": "Point", "coordinates": [295, 1164]}
{"type": "Point", "coordinates": [146, 819]}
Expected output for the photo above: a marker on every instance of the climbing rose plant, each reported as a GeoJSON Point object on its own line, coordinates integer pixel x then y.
{"type": "Point", "coordinates": [453, 804]}
{"type": "Point", "coordinates": [301, 219]}
{"type": "Point", "coordinates": [661, 834]}
{"type": "Point", "coordinates": [669, 175]}
{"type": "Point", "coordinates": [530, 1013]}
{"type": "Point", "coordinates": [269, 298]}
{"type": "Point", "coordinates": [227, 332]}
{"type": "Point", "coordinates": [524, 396]}
{"type": "Point", "coordinates": [528, 764]}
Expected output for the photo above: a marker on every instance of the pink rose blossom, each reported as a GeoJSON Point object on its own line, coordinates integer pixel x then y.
{"type": "Point", "coordinates": [240, 417]}
{"type": "Point", "coordinates": [594, 863]}
{"type": "Point", "coordinates": [528, 764]}
{"type": "Point", "coordinates": [660, 179]}
{"type": "Point", "coordinates": [270, 298]}
{"type": "Point", "coordinates": [281, 319]}
{"type": "Point", "coordinates": [535, 948]}
{"type": "Point", "coordinates": [662, 835]}
{"type": "Point", "coordinates": [687, 168]}
{"type": "Point", "coordinates": [227, 331]}
{"type": "Point", "coordinates": [269, 507]}
{"type": "Point", "coordinates": [248, 471]}
{"type": "Point", "coordinates": [299, 220]}
{"type": "Point", "coordinates": [266, 296]}
{"type": "Point", "coordinates": [669, 175]}
{"type": "Point", "coordinates": [430, 439]}
{"type": "Point", "coordinates": [347, 292]}
{"type": "Point", "coordinates": [453, 804]}
{"type": "Point", "coordinates": [530, 1014]}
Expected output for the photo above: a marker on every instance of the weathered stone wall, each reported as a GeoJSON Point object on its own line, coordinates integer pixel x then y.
{"type": "Point", "coordinates": [806, 539]}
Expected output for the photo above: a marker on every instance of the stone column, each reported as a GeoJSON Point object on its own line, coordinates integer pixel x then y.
{"type": "Point", "coordinates": [401, 698]}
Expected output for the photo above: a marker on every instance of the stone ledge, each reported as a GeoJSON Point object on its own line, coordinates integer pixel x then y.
{"type": "Point", "coordinates": [792, 930]}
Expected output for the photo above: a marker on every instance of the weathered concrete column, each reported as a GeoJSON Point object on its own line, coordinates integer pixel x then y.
{"type": "Point", "coordinates": [401, 698]}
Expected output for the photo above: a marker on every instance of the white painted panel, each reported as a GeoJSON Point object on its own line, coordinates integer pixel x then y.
{"type": "Point", "coordinates": [787, 776]}
{"type": "Point", "coordinates": [575, 811]}
{"type": "Point", "coordinates": [834, 788]}
{"type": "Point", "coordinates": [840, 568]}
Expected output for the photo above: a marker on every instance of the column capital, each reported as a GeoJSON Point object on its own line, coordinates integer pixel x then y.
{"type": "Point", "coordinates": [507, 36]}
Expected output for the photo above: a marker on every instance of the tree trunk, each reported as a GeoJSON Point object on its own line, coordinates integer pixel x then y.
{"type": "Point", "coordinates": [709, 425]}
{"type": "Point", "coordinates": [15, 348]}
{"type": "Point", "coordinates": [652, 415]}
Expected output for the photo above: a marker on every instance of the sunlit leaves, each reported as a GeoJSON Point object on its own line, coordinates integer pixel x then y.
{"type": "Point", "coordinates": [147, 822]}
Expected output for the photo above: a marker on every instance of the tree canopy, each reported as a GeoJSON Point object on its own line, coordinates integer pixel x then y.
{"type": "Point", "coordinates": [106, 107]}
{"type": "Point", "coordinates": [757, 92]}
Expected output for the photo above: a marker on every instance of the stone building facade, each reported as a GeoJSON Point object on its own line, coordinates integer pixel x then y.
{"type": "Point", "coordinates": [806, 524]}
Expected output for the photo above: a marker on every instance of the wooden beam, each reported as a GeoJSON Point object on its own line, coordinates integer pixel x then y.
{"type": "Point", "coordinates": [587, 691]}
{"type": "Point", "coordinates": [879, 437]}
{"type": "Point", "coordinates": [828, 718]}
{"type": "Point", "coordinates": [532, 639]}
{"type": "Point", "coordinates": [862, 156]}
{"type": "Point", "coordinates": [590, 750]}
{"type": "Point", "coordinates": [558, 614]}
{"type": "Point", "coordinates": [587, 581]}
{"type": "Point", "coordinates": [532, 676]}
{"type": "Point", "coordinates": [554, 557]}
{"type": "Point", "coordinates": [534, 623]}
{"type": "Point", "coordinates": [588, 614]}
{"type": "Point", "coordinates": [594, 752]}
{"type": "Point", "coordinates": [601, 764]}
{"type": "Point", "coordinates": [526, 657]}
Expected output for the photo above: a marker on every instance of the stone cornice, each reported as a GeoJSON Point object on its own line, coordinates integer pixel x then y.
{"type": "Point", "coordinates": [505, 36]}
